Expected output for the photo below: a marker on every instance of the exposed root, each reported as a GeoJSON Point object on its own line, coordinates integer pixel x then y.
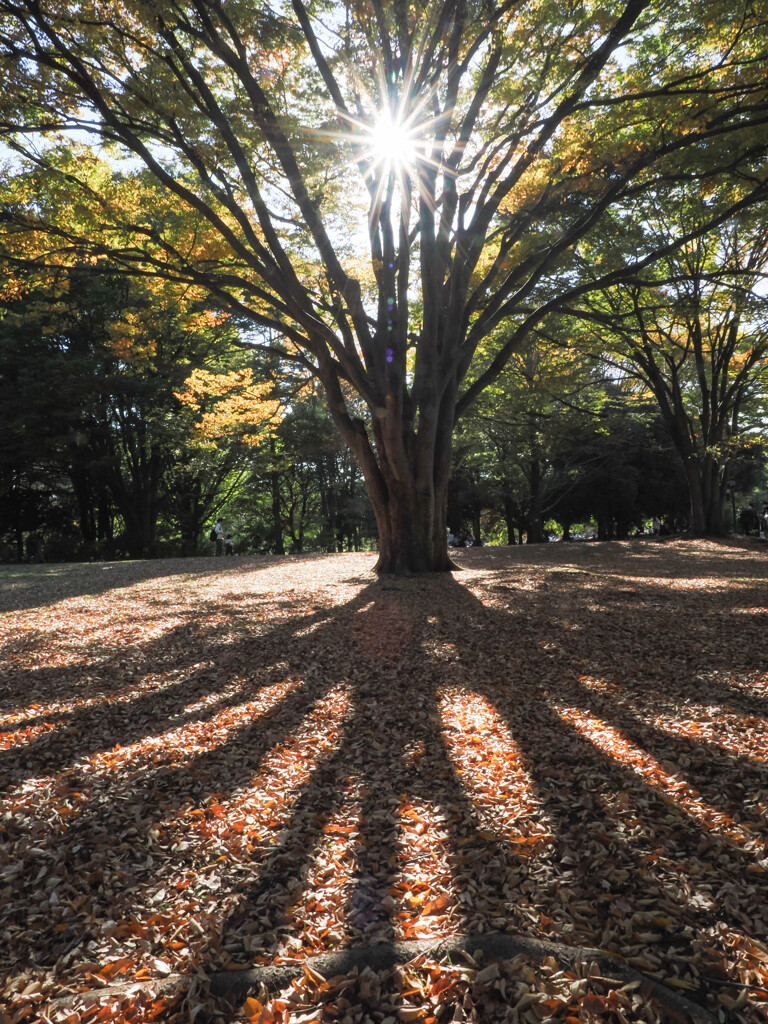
{"type": "Point", "coordinates": [236, 985]}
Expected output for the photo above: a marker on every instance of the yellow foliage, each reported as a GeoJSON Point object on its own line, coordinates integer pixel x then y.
{"type": "Point", "coordinates": [227, 405]}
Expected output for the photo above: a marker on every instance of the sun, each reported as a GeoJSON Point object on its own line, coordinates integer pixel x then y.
{"type": "Point", "coordinates": [394, 144]}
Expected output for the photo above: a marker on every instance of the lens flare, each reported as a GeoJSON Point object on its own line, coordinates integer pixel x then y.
{"type": "Point", "coordinates": [394, 144]}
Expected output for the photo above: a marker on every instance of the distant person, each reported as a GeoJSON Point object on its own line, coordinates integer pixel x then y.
{"type": "Point", "coordinates": [229, 548]}
{"type": "Point", "coordinates": [218, 534]}
{"type": "Point", "coordinates": [656, 526]}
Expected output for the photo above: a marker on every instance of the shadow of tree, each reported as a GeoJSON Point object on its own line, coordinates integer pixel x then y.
{"type": "Point", "coordinates": [273, 795]}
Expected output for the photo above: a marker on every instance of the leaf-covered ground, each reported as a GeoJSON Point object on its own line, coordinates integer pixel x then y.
{"type": "Point", "coordinates": [208, 765]}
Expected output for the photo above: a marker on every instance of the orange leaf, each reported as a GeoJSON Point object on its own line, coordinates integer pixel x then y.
{"type": "Point", "coordinates": [592, 1003]}
{"type": "Point", "coordinates": [435, 906]}
{"type": "Point", "coordinates": [158, 1007]}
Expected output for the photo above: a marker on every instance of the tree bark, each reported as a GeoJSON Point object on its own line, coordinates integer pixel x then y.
{"type": "Point", "coordinates": [413, 535]}
{"type": "Point", "coordinates": [707, 490]}
{"type": "Point", "coordinates": [535, 518]}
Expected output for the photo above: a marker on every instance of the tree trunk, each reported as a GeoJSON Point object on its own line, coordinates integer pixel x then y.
{"type": "Point", "coordinates": [410, 495]}
{"type": "Point", "coordinates": [535, 519]}
{"type": "Point", "coordinates": [707, 492]}
{"type": "Point", "coordinates": [510, 514]}
{"type": "Point", "coordinates": [190, 519]}
{"type": "Point", "coordinates": [413, 536]}
{"type": "Point", "coordinates": [406, 466]}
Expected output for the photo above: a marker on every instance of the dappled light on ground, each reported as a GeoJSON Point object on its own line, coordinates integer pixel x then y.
{"type": "Point", "coordinates": [487, 760]}
{"type": "Point", "coordinates": [209, 769]}
{"type": "Point", "coordinates": [668, 781]}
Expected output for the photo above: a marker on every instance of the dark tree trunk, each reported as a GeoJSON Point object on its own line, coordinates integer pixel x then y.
{"type": "Point", "coordinates": [277, 519]}
{"type": "Point", "coordinates": [413, 536]}
{"type": "Point", "coordinates": [509, 519]}
{"type": "Point", "coordinates": [409, 492]}
{"type": "Point", "coordinates": [535, 519]}
{"type": "Point", "coordinates": [706, 483]}
{"type": "Point", "coordinates": [190, 518]}
{"type": "Point", "coordinates": [84, 495]}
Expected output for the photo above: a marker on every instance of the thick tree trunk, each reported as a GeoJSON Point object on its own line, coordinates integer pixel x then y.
{"type": "Point", "coordinates": [411, 507]}
{"type": "Point", "coordinates": [707, 493]}
{"type": "Point", "coordinates": [413, 535]}
{"type": "Point", "coordinates": [406, 471]}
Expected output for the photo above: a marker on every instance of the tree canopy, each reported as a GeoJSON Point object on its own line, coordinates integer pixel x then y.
{"type": "Point", "coordinates": [394, 195]}
{"type": "Point", "coordinates": [694, 331]}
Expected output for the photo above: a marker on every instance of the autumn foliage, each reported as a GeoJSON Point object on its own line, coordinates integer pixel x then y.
{"type": "Point", "coordinates": [207, 769]}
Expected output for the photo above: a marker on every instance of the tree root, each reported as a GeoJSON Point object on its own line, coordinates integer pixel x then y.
{"type": "Point", "coordinates": [235, 985]}
{"type": "Point", "coordinates": [492, 946]}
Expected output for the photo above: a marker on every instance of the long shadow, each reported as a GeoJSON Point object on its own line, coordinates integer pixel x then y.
{"type": "Point", "coordinates": [122, 809]}
{"type": "Point", "coordinates": [712, 645]}
{"type": "Point", "coordinates": [634, 707]}
{"type": "Point", "coordinates": [576, 783]}
{"type": "Point", "coordinates": [702, 763]}
{"type": "Point", "coordinates": [124, 716]}
{"type": "Point", "coordinates": [134, 808]}
{"type": "Point", "coordinates": [617, 843]}
{"type": "Point", "coordinates": [396, 744]}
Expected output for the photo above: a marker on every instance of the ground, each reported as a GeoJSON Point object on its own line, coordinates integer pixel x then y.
{"type": "Point", "coordinates": [207, 765]}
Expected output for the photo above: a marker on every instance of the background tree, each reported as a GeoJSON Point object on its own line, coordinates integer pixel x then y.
{"type": "Point", "coordinates": [620, 469]}
{"type": "Point", "coordinates": [304, 488]}
{"type": "Point", "coordinates": [694, 331]}
{"type": "Point", "coordinates": [35, 489]}
{"type": "Point", "coordinates": [226, 414]}
{"type": "Point", "coordinates": [481, 142]}
{"type": "Point", "coordinates": [525, 423]}
{"type": "Point", "coordinates": [94, 367]}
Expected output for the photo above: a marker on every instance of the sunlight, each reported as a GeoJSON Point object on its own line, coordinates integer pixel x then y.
{"type": "Point", "coordinates": [667, 781]}
{"type": "Point", "coordinates": [394, 144]}
{"type": "Point", "coordinates": [316, 914]}
{"type": "Point", "coordinates": [492, 771]}
{"type": "Point", "coordinates": [427, 902]}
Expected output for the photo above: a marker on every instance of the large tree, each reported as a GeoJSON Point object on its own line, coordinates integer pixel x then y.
{"type": "Point", "coordinates": [381, 187]}
{"type": "Point", "coordinates": [693, 331]}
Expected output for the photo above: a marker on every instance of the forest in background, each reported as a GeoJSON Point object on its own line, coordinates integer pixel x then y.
{"type": "Point", "coordinates": [133, 415]}
{"type": "Point", "coordinates": [348, 276]}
